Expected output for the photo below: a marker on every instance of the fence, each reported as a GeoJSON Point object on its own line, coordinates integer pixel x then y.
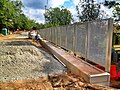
{"type": "Point", "coordinates": [91, 40]}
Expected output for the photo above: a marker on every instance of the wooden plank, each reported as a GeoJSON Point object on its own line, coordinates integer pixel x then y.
{"type": "Point", "coordinates": [77, 66]}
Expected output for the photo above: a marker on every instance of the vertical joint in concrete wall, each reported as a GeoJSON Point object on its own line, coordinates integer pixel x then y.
{"type": "Point", "coordinates": [66, 36]}
{"type": "Point", "coordinates": [86, 40]}
{"type": "Point", "coordinates": [75, 37]}
{"type": "Point", "coordinates": [60, 35]}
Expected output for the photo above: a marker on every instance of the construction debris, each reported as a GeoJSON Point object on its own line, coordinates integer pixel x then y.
{"type": "Point", "coordinates": [56, 82]}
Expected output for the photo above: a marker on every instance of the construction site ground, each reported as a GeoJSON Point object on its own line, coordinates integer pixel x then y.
{"type": "Point", "coordinates": [67, 81]}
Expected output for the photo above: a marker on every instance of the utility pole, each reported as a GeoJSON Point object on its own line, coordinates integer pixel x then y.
{"type": "Point", "coordinates": [46, 7]}
{"type": "Point", "coordinates": [78, 9]}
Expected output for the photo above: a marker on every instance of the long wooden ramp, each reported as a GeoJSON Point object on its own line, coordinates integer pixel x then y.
{"type": "Point", "coordinates": [90, 73]}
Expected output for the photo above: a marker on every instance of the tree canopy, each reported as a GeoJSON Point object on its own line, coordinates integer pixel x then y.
{"type": "Point", "coordinates": [12, 17]}
{"type": "Point", "coordinates": [116, 15]}
{"type": "Point", "coordinates": [58, 16]}
{"type": "Point", "coordinates": [90, 11]}
{"type": "Point", "coordinates": [116, 10]}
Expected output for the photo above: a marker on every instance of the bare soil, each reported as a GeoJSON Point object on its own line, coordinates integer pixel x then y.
{"type": "Point", "coordinates": [57, 82]}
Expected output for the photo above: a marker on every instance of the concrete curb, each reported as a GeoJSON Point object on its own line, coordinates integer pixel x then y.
{"type": "Point", "coordinates": [90, 73]}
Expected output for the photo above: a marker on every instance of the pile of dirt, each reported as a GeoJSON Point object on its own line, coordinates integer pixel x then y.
{"type": "Point", "coordinates": [27, 62]}
{"type": "Point", "coordinates": [74, 82]}
{"type": "Point", "coordinates": [1, 35]}
{"type": "Point", "coordinates": [58, 82]}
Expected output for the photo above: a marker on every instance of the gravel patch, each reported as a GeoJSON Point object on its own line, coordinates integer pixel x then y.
{"type": "Point", "coordinates": [27, 62]}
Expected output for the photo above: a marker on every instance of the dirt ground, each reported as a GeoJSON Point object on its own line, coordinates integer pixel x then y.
{"type": "Point", "coordinates": [57, 82]}
{"type": "Point", "coordinates": [7, 37]}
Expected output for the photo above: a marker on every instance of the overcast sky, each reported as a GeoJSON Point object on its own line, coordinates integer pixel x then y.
{"type": "Point", "coordinates": [35, 9]}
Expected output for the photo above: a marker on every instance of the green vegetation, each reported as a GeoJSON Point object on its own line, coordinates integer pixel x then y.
{"type": "Point", "coordinates": [90, 11]}
{"type": "Point", "coordinates": [58, 16]}
{"type": "Point", "coordinates": [116, 11]}
{"type": "Point", "coordinates": [116, 15]}
{"type": "Point", "coordinates": [12, 17]}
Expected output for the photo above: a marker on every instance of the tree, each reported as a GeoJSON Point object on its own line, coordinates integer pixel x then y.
{"type": "Point", "coordinates": [25, 23]}
{"type": "Point", "coordinates": [58, 16]}
{"type": "Point", "coordinates": [116, 14]}
{"type": "Point", "coordinates": [12, 17]}
{"type": "Point", "coordinates": [5, 13]}
{"type": "Point", "coordinates": [116, 9]}
{"type": "Point", "coordinates": [110, 4]}
{"type": "Point", "coordinates": [17, 4]}
{"type": "Point", "coordinates": [90, 11]}
{"type": "Point", "coordinates": [9, 13]}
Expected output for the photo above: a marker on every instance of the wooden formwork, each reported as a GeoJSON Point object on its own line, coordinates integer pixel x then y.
{"type": "Point", "coordinates": [90, 73]}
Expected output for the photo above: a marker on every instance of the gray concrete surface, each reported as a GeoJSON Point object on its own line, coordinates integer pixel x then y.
{"type": "Point", "coordinates": [26, 62]}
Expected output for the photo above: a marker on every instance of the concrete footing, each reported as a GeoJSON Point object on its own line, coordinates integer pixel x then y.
{"type": "Point", "coordinates": [77, 66]}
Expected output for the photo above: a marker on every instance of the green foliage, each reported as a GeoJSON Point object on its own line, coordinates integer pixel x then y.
{"type": "Point", "coordinates": [5, 13]}
{"type": "Point", "coordinates": [58, 16]}
{"type": "Point", "coordinates": [12, 17]}
{"type": "Point", "coordinates": [116, 39]}
{"type": "Point", "coordinates": [116, 11]}
{"type": "Point", "coordinates": [116, 15]}
{"type": "Point", "coordinates": [118, 27]}
{"type": "Point", "coordinates": [110, 4]}
{"type": "Point", "coordinates": [90, 11]}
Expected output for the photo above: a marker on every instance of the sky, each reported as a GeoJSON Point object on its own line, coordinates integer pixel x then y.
{"type": "Point", "coordinates": [34, 9]}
